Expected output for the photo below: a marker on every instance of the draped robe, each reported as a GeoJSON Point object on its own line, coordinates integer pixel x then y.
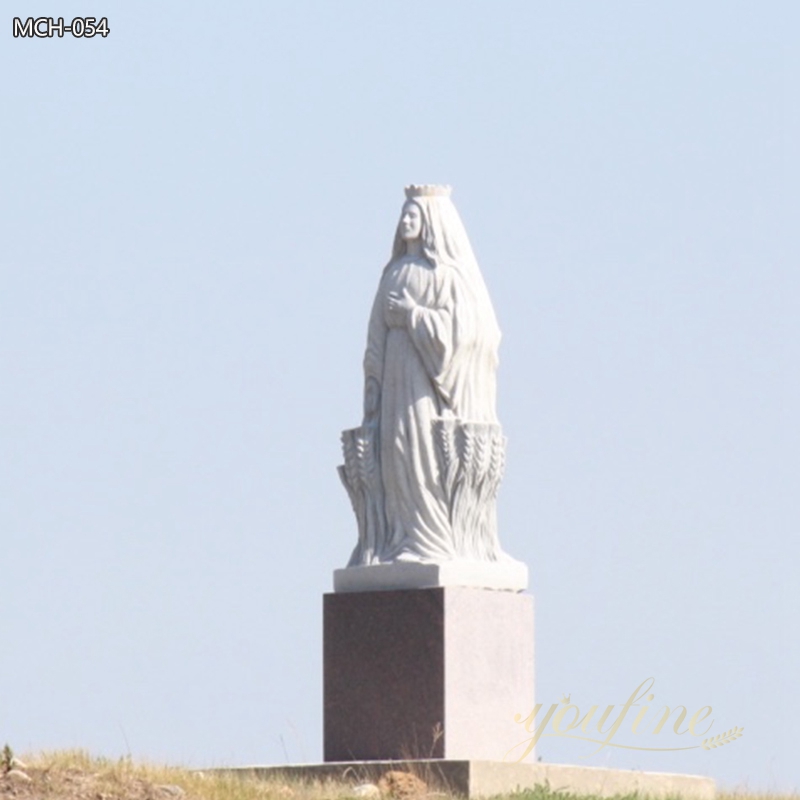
{"type": "Point", "coordinates": [431, 362]}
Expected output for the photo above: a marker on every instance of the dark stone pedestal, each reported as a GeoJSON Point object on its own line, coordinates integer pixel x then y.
{"type": "Point", "coordinates": [426, 673]}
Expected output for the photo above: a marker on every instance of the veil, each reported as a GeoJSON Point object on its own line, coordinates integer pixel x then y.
{"type": "Point", "coordinates": [445, 245]}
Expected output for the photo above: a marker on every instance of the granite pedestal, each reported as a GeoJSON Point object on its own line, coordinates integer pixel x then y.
{"type": "Point", "coordinates": [428, 680]}
{"type": "Point", "coordinates": [426, 673]}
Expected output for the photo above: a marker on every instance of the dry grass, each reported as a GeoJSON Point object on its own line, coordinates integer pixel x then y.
{"type": "Point", "coordinates": [75, 775]}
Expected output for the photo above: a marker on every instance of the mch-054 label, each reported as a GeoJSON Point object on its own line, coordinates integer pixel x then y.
{"type": "Point", "coordinates": [48, 27]}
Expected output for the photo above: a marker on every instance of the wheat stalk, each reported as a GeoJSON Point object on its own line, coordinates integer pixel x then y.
{"type": "Point", "coordinates": [445, 436]}
{"type": "Point", "coordinates": [722, 738]}
{"type": "Point", "coordinates": [350, 458]}
{"type": "Point", "coordinates": [497, 461]}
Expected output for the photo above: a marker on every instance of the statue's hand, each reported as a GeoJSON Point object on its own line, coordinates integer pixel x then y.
{"type": "Point", "coordinates": [372, 400]}
{"type": "Point", "coordinates": [400, 306]}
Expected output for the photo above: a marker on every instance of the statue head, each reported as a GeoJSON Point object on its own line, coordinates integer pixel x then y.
{"type": "Point", "coordinates": [428, 215]}
{"type": "Point", "coordinates": [415, 218]}
{"type": "Point", "coordinates": [410, 225]}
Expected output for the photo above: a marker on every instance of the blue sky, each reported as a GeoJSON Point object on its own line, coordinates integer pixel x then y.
{"type": "Point", "coordinates": [195, 213]}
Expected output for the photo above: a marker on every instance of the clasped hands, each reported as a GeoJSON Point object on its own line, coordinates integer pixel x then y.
{"type": "Point", "coordinates": [398, 307]}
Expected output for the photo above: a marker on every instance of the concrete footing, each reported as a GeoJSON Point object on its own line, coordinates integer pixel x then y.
{"type": "Point", "coordinates": [487, 778]}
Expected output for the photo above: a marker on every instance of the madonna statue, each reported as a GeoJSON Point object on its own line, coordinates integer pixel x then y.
{"type": "Point", "coordinates": [423, 469]}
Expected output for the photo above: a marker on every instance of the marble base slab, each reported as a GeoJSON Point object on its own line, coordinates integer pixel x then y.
{"type": "Point", "coordinates": [470, 778]}
{"type": "Point", "coordinates": [508, 575]}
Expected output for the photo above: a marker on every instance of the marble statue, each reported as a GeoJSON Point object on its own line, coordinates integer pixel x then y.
{"type": "Point", "coordinates": [423, 469]}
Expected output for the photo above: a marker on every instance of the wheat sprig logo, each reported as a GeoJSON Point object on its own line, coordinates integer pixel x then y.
{"type": "Point", "coordinates": [722, 738]}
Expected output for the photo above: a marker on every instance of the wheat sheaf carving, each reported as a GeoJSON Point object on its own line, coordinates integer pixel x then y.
{"type": "Point", "coordinates": [722, 738]}
{"type": "Point", "coordinates": [471, 457]}
{"type": "Point", "coordinates": [360, 475]}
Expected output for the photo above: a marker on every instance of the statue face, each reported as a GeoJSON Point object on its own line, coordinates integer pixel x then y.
{"type": "Point", "coordinates": [411, 221]}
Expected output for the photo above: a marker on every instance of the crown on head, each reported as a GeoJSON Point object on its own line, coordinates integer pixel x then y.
{"type": "Point", "coordinates": [428, 190]}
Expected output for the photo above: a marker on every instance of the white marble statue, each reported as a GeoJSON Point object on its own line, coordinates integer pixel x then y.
{"type": "Point", "coordinates": [423, 469]}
